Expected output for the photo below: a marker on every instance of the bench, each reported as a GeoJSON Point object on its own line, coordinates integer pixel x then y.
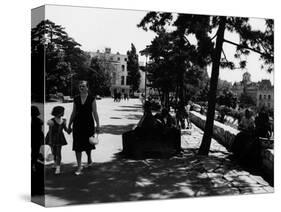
{"type": "Point", "coordinates": [140, 144]}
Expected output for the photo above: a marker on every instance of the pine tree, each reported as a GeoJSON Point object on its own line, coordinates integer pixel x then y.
{"type": "Point", "coordinates": [133, 69]}
{"type": "Point", "coordinates": [209, 52]}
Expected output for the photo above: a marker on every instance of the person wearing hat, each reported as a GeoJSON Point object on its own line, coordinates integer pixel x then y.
{"type": "Point", "coordinates": [55, 137]}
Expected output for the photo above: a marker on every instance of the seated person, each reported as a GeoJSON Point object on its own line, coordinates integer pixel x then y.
{"type": "Point", "coordinates": [145, 128]}
{"type": "Point", "coordinates": [169, 131]}
{"type": "Point", "coordinates": [247, 123]}
{"type": "Point", "coordinates": [263, 126]}
{"type": "Point", "coordinates": [152, 136]}
{"type": "Point", "coordinates": [164, 119]}
{"type": "Point", "coordinates": [147, 121]}
{"type": "Point", "coordinates": [245, 146]}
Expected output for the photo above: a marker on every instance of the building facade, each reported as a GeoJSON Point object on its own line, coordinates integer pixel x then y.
{"type": "Point", "coordinates": [265, 95]}
{"type": "Point", "coordinates": [262, 93]}
{"type": "Point", "coordinates": [118, 70]}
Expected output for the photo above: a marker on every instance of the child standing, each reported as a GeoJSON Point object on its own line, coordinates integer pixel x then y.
{"type": "Point", "coordinates": [55, 137]}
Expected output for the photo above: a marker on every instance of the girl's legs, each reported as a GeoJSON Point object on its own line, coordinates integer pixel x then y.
{"type": "Point", "coordinates": [57, 158]}
{"type": "Point", "coordinates": [58, 155]}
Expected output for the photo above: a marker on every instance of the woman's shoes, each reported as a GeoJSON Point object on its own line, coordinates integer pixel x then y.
{"type": "Point", "coordinates": [89, 165]}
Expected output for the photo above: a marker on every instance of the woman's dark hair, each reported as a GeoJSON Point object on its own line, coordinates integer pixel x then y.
{"type": "Point", "coordinates": [82, 81]}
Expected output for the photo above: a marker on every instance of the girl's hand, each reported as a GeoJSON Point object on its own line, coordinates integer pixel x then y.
{"type": "Point", "coordinates": [69, 130]}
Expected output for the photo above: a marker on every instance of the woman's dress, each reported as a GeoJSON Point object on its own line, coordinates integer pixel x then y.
{"type": "Point", "coordinates": [83, 124]}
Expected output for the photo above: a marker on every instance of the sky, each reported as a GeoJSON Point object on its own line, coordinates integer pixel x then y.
{"type": "Point", "coordinates": [97, 28]}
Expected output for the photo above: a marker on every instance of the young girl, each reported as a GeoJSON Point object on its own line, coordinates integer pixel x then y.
{"type": "Point", "coordinates": [55, 137]}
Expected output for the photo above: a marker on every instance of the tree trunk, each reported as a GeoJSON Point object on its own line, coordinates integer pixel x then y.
{"type": "Point", "coordinates": [206, 141]}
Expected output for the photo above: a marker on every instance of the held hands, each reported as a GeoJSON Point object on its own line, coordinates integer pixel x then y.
{"type": "Point", "coordinates": [97, 129]}
{"type": "Point", "coordinates": [69, 130]}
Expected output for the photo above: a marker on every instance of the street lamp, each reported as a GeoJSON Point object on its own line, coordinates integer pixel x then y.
{"type": "Point", "coordinates": [145, 77]}
{"type": "Point", "coordinates": [146, 53]}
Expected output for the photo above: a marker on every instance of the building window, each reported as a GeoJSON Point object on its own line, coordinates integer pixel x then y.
{"type": "Point", "coordinates": [269, 97]}
{"type": "Point", "coordinates": [118, 58]}
{"type": "Point", "coordinates": [122, 80]}
{"type": "Point", "coordinates": [125, 59]}
{"type": "Point", "coordinates": [123, 68]}
{"type": "Point", "coordinates": [268, 104]}
{"type": "Point", "coordinates": [260, 96]}
{"type": "Point", "coordinates": [264, 96]}
{"type": "Point", "coordinates": [114, 78]}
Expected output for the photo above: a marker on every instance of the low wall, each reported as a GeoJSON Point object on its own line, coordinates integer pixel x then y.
{"type": "Point", "coordinates": [225, 136]}
{"type": "Point", "coordinates": [222, 133]}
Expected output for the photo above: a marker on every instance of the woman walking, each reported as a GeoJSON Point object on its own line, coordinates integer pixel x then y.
{"type": "Point", "coordinates": [83, 115]}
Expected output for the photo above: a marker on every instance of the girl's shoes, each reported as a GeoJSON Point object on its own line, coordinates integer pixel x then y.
{"type": "Point", "coordinates": [54, 166]}
{"type": "Point", "coordinates": [57, 170]}
{"type": "Point", "coordinates": [79, 171]}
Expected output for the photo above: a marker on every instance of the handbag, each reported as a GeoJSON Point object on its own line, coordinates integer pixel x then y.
{"type": "Point", "coordinates": [46, 156]}
{"type": "Point", "coordinates": [94, 140]}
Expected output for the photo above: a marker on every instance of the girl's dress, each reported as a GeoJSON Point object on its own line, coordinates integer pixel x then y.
{"type": "Point", "coordinates": [83, 124]}
{"type": "Point", "coordinates": [57, 136]}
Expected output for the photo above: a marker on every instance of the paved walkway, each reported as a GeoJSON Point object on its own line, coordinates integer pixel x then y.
{"type": "Point", "coordinates": [114, 179]}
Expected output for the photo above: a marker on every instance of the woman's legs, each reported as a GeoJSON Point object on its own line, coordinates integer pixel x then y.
{"type": "Point", "coordinates": [88, 152]}
{"type": "Point", "coordinates": [78, 159]}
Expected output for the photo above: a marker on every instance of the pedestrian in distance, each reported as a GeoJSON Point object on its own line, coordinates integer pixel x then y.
{"type": "Point", "coordinates": [115, 96]}
{"type": "Point", "coordinates": [85, 121]}
{"type": "Point", "coordinates": [55, 136]}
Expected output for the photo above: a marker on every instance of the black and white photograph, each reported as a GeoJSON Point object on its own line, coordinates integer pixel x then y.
{"type": "Point", "coordinates": [133, 105]}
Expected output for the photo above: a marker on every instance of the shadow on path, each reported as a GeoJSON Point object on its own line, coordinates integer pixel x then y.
{"type": "Point", "coordinates": [187, 175]}
{"type": "Point", "coordinates": [133, 117]}
{"type": "Point", "coordinates": [132, 107]}
{"type": "Point", "coordinates": [127, 110]}
{"type": "Point", "coordinates": [115, 129]}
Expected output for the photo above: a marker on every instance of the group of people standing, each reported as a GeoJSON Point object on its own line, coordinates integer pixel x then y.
{"type": "Point", "coordinates": [117, 96]}
{"type": "Point", "coordinates": [83, 124]}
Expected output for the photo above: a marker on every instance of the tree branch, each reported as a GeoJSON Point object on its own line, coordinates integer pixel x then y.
{"type": "Point", "coordinates": [214, 35]}
{"type": "Point", "coordinates": [247, 47]}
{"type": "Point", "coordinates": [224, 55]}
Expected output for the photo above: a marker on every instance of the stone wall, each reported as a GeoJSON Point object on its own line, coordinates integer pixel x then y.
{"type": "Point", "coordinates": [225, 136]}
{"type": "Point", "coordinates": [222, 133]}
